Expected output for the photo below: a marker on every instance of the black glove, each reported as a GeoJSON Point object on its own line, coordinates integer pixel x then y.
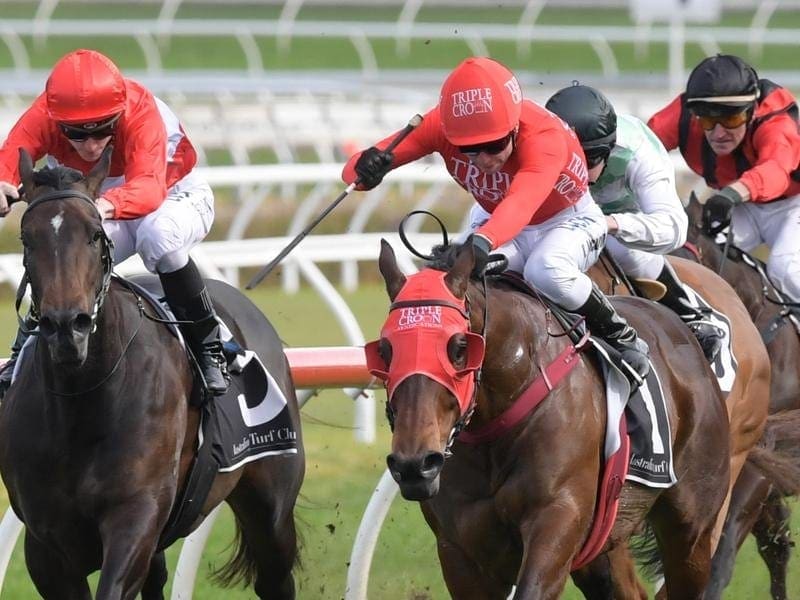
{"type": "Point", "coordinates": [372, 166]}
{"type": "Point", "coordinates": [717, 210]}
{"type": "Point", "coordinates": [481, 247]}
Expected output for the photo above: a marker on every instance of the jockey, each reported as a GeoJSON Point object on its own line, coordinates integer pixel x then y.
{"type": "Point", "coordinates": [740, 133]}
{"type": "Point", "coordinates": [527, 173]}
{"type": "Point", "coordinates": [632, 178]}
{"type": "Point", "coordinates": [153, 203]}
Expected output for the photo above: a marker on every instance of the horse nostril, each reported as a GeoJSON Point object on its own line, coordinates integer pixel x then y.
{"type": "Point", "coordinates": [82, 323]}
{"type": "Point", "coordinates": [432, 464]}
{"type": "Point", "coordinates": [47, 326]}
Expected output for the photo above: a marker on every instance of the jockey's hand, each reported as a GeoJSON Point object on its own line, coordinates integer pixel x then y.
{"type": "Point", "coordinates": [481, 247]}
{"type": "Point", "coordinates": [372, 166]}
{"type": "Point", "coordinates": [718, 208]}
{"type": "Point", "coordinates": [105, 208]}
{"type": "Point", "coordinates": [8, 193]}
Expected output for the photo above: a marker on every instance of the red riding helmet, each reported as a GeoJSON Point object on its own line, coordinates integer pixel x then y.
{"type": "Point", "coordinates": [84, 86]}
{"type": "Point", "coordinates": [481, 101]}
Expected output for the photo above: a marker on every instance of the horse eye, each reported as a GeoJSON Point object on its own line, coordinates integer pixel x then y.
{"type": "Point", "coordinates": [457, 349]}
{"type": "Point", "coordinates": [96, 237]}
{"type": "Point", "coordinates": [385, 351]}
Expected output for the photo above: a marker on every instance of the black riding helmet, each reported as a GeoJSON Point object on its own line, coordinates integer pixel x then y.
{"type": "Point", "coordinates": [721, 85]}
{"type": "Point", "coordinates": [590, 114]}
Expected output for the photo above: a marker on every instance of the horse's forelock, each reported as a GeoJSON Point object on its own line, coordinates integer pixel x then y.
{"type": "Point", "coordinates": [443, 256]}
{"type": "Point", "coordinates": [58, 178]}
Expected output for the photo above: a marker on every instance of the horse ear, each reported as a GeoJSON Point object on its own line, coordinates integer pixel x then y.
{"type": "Point", "coordinates": [387, 263]}
{"type": "Point", "coordinates": [26, 171]}
{"type": "Point", "coordinates": [99, 172]}
{"type": "Point", "coordinates": [457, 278]}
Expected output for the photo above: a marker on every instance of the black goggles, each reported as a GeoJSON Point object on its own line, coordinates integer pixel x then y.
{"type": "Point", "coordinates": [96, 131]}
{"type": "Point", "coordinates": [595, 156]}
{"type": "Point", "coordinates": [493, 147]}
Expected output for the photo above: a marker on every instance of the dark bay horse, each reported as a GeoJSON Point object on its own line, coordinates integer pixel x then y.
{"type": "Point", "coordinates": [757, 502]}
{"type": "Point", "coordinates": [97, 433]}
{"type": "Point", "coordinates": [516, 511]}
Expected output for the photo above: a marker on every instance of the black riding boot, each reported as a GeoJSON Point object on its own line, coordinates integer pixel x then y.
{"type": "Point", "coordinates": [603, 320]}
{"type": "Point", "coordinates": [709, 336]}
{"type": "Point", "coordinates": [189, 299]}
{"type": "Point", "coordinates": [8, 369]}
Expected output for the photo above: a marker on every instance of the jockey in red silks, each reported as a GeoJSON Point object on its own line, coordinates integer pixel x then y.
{"type": "Point", "coordinates": [528, 175]}
{"type": "Point", "coordinates": [740, 134]}
{"type": "Point", "coordinates": [153, 202]}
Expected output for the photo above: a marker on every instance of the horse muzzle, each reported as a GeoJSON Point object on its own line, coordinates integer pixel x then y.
{"type": "Point", "coordinates": [66, 333]}
{"type": "Point", "coordinates": [417, 476]}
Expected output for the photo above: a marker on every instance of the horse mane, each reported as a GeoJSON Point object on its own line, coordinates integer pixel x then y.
{"type": "Point", "coordinates": [442, 256]}
{"type": "Point", "coordinates": [58, 178]}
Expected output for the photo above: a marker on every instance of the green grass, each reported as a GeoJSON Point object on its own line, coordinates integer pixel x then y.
{"type": "Point", "coordinates": [340, 477]}
{"type": "Point", "coordinates": [331, 51]}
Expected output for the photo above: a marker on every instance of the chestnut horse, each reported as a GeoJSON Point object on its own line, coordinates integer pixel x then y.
{"type": "Point", "coordinates": [516, 511]}
{"type": "Point", "coordinates": [748, 399]}
{"type": "Point", "coordinates": [97, 433]}
{"type": "Point", "coordinates": [757, 502]}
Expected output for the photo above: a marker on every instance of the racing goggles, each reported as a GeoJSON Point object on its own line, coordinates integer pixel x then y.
{"type": "Point", "coordinates": [493, 147]}
{"type": "Point", "coordinates": [97, 130]}
{"type": "Point", "coordinates": [594, 156]}
{"type": "Point", "coordinates": [731, 121]}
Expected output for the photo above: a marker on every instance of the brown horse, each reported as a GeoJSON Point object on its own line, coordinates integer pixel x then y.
{"type": "Point", "coordinates": [516, 511]}
{"type": "Point", "coordinates": [757, 502]}
{"type": "Point", "coordinates": [97, 433]}
{"type": "Point", "coordinates": [747, 401]}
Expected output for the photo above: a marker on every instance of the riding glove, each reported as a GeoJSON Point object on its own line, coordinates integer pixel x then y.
{"type": "Point", "coordinates": [481, 247]}
{"type": "Point", "coordinates": [718, 208]}
{"type": "Point", "coordinates": [372, 166]}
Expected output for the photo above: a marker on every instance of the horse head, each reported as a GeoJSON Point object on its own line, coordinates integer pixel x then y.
{"type": "Point", "coordinates": [428, 355]}
{"type": "Point", "coordinates": [66, 254]}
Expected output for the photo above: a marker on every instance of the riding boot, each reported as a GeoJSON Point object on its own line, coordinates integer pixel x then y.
{"type": "Point", "coordinates": [7, 370]}
{"type": "Point", "coordinates": [189, 299]}
{"type": "Point", "coordinates": [603, 320]}
{"type": "Point", "coordinates": [709, 336]}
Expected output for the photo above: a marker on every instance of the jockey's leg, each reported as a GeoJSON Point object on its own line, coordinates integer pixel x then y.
{"type": "Point", "coordinates": [676, 299]}
{"type": "Point", "coordinates": [603, 320]}
{"type": "Point", "coordinates": [7, 371]}
{"type": "Point", "coordinates": [189, 299]}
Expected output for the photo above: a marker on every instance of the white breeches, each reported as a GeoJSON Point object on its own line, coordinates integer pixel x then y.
{"type": "Point", "coordinates": [164, 238]}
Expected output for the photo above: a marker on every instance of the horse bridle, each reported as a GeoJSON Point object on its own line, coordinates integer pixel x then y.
{"type": "Point", "coordinates": [466, 416]}
{"type": "Point", "coordinates": [106, 257]}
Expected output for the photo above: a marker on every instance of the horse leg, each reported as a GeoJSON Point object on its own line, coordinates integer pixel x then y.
{"type": "Point", "coordinates": [773, 537]}
{"type": "Point", "coordinates": [464, 577]}
{"type": "Point", "coordinates": [153, 588]}
{"type": "Point", "coordinates": [129, 536]}
{"type": "Point", "coordinates": [684, 542]}
{"type": "Point", "coordinates": [749, 493]}
{"type": "Point", "coordinates": [266, 541]}
{"type": "Point", "coordinates": [50, 575]}
{"type": "Point", "coordinates": [611, 575]}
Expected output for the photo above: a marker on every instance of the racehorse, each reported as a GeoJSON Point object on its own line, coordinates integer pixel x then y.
{"type": "Point", "coordinates": [757, 503]}
{"type": "Point", "coordinates": [747, 401]}
{"type": "Point", "coordinates": [516, 510]}
{"type": "Point", "coordinates": [97, 433]}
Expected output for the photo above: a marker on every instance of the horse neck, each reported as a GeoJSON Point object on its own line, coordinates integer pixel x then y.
{"type": "Point", "coordinates": [742, 278]}
{"type": "Point", "coordinates": [518, 346]}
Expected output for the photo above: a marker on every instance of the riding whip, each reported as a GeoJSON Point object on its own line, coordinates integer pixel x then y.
{"type": "Point", "coordinates": [412, 124]}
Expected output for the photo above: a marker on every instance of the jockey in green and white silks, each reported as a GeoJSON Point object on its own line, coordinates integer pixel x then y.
{"type": "Point", "coordinates": [633, 180]}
